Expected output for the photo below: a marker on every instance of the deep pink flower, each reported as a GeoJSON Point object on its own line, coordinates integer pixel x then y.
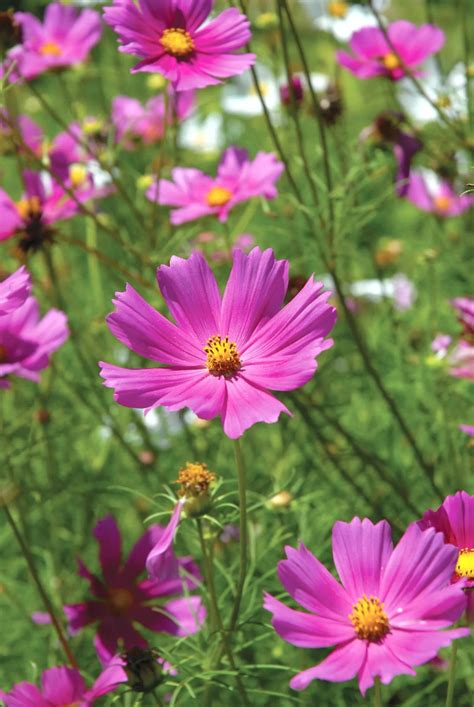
{"type": "Point", "coordinates": [225, 353]}
{"type": "Point", "coordinates": [147, 122]}
{"type": "Point", "coordinates": [467, 429]}
{"type": "Point", "coordinates": [121, 599]}
{"type": "Point", "coordinates": [295, 95]}
{"type": "Point", "coordinates": [385, 616]}
{"type": "Point", "coordinates": [65, 38]}
{"type": "Point", "coordinates": [195, 194]}
{"type": "Point", "coordinates": [62, 686]}
{"type": "Point", "coordinates": [172, 39]}
{"type": "Point", "coordinates": [455, 519]}
{"type": "Point", "coordinates": [438, 198]}
{"type": "Point", "coordinates": [14, 290]}
{"type": "Point", "coordinates": [26, 341]}
{"type": "Point", "coordinates": [29, 132]}
{"type": "Point", "coordinates": [373, 55]}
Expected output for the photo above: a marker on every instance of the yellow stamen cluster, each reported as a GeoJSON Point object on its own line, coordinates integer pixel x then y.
{"type": "Point", "coordinates": [391, 61]}
{"type": "Point", "coordinates": [369, 619]}
{"type": "Point", "coordinates": [28, 207]}
{"type": "Point", "coordinates": [218, 196]}
{"type": "Point", "coordinates": [195, 479]}
{"type": "Point", "coordinates": [77, 175]}
{"type": "Point", "coordinates": [443, 102]}
{"type": "Point", "coordinates": [120, 600]}
{"type": "Point", "coordinates": [337, 9]}
{"type": "Point", "coordinates": [465, 563]}
{"type": "Point", "coordinates": [442, 203]}
{"type": "Point", "coordinates": [177, 41]}
{"type": "Point", "coordinates": [50, 49]}
{"type": "Point", "coordinates": [222, 357]}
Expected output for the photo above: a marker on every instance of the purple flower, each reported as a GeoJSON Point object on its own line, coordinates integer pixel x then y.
{"type": "Point", "coordinates": [14, 290]}
{"type": "Point", "coordinates": [385, 616]}
{"type": "Point", "coordinates": [147, 122]}
{"type": "Point", "coordinates": [26, 341]}
{"type": "Point", "coordinates": [174, 39]}
{"type": "Point", "coordinates": [120, 599]}
{"type": "Point", "coordinates": [64, 39]}
{"type": "Point", "coordinates": [226, 352]}
{"type": "Point", "coordinates": [373, 55]}
{"type": "Point", "coordinates": [62, 686]}
{"type": "Point", "coordinates": [436, 196]}
{"type": "Point", "coordinates": [455, 519]}
{"type": "Point", "coordinates": [195, 194]}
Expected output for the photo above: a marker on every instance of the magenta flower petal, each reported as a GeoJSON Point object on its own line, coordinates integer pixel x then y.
{"type": "Point", "coordinates": [418, 42]}
{"type": "Point", "coordinates": [246, 405]}
{"type": "Point", "coordinates": [467, 429]}
{"type": "Point", "coordinates": [342, 664]}
{"type": "Point", "coordinates": [62, 686]}
{"type": "Point", "coordinates": [80, 615]}
{"type": "Point", "coordinates": [361, 551]}
{"type": "Point", "coordinates": [155, 557]}
{"type": "Point", "coordinates": [14, 290]}
{"type": "Point", "coordinates": [112, 676]}
{"type": "Point", "coordinates": [382, 661]}
{"type": "Point", "coordinates": [24, 694]}
{"type": "Point", "coordinates": [107, 534]}
{"type": "Point", "coordinates": [136, 560]}
{"type": "Point", "coordinates": [188, 614]}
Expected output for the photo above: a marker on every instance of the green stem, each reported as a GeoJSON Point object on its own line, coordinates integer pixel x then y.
{"type": "Point", "coordinates": [239, 460]}
{"type": "Point", "coordinates": [452, 675]}
{"type": "Point", "coordinates": [41, 591]}
{"type": "Point", "coordinates": [377, 693]}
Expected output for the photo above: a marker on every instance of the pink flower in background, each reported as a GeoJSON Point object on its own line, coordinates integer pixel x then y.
{"type": "Point", "coordinates": [26, 341]}
{"type": "Point", "coordinates": [62, 686]}
{"type": "Point", "coordinates": [121, 599]}
{"type": "Point", "coordinates": [14, 290]}
{"type": "Point", "coordinates": [464, 307]}
{"type": "Point", "coordinates": [467, 429]}
{"type": "Point", "coordinates": [292, 93]}
{"type": "Point", "coordinates": [461, 360]}
{"type": "Point", "coordinates": [436, 196]}
{"type": "Point", "coordinates": [373, 55]}
{"type": "Point", "coordinates": [65, 38]}
{"type": "Point", "coordinates": [28, 131]}
{"type": "Point", "coordinates": [225, 352]}
{"type": "Point", "coordinates": [455, 519]}
{"type": "Point", "coordinates": [195, 194]}
{"type": "Point", "coordinates": [147, 122]}
{"type": "Point", "coordinates": [174, 39]}
{"type": "Point", "coordinates": [386, 616]}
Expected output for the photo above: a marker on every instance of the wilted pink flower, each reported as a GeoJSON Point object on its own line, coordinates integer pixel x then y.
{"type": "Point", "coordinates": [26, 341]}
{"type": "Point", "coordinates": [373, 55]}
{"type": "Point", "coordinates": [386, 617]}
{"type": "Point", "coordinates": [121, 599]}
{"type": "Point", "coordinates": [28, 132]}
{"type": "Point", "coordinates": [14, 290]}
{"type": "Point", "coordinates": [464, 307]}
{"type": "Point", "coordinates": [63, 686]}
{"type": "Point", "coordinates": [147, 122]}
{"type": "Point", "coordinates": [225, 353]}
{"type": "Point", "coordinates": [295, 94]}
{"type": "Point", "coordinates": [195, 194]}
{"type": "Point", "coordinates": [172, 39]}
{"type": "Point", "coordinates": [65, 38]}
{"type": "Point", "coordinates": [455, 519]}
{"type": "Point", "coordinates": [438, 198]}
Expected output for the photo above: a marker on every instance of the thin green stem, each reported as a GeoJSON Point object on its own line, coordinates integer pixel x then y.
{"type": "Point", "coordinates": [240, 464]}
{"type": "Point", "coordinates": [377, 692]}
{"type": "Point", "coordinates": [452, 675]}
{"type": "Point", "coordinates": [39, 586]}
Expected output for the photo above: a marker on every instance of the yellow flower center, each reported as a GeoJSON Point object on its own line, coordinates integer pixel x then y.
{"type": "Point", "coordinates": [369, 619]}
{"type": "Point", "coordinates": [195, 479]}
{"type": "Point", "coordinates": [120, 600]}
{"type": "Point", "coordinates": [77, 175]}
{"type": "Point", "coordinates": [222, 357]}
{"type": "Point", "coordinates": [337, 8]}
{"type": "Point", "coordinates": [443, 102]}
{"type": "Point", "coordinates": [465, 563]}
{"type": "Point", "coordinates": [28, 207]}
{"type": "Point", "coordinates": [3, 354]}
{"type": "Point", "coordinates": [391, 61]}
{"type": "Point", "coordinates": [50, 49]}
{"type": "Point", "coordinates": [442, 203]}
{"type": "Point", "coordinates": [177, 41]}
{"type": "Point", "coordinates": [218, 196]}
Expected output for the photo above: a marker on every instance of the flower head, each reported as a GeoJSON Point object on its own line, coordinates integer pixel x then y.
{"type": "Point", "coordinates": [373, 55]}
{"type": "Point", "coordinates": [14, 290]}
{"type": "Point", "coordinates": [385, 617]}
{"type": "Point", "coordinates": [62, 686]}
{"type": "Point", "coordinates": [455, 519]}
{"type": "Point", "coordinates": [173, 38]}
{"type": "Point", "coordinates": [464, 307]}
{"type": "Point", "coordinates": [121, 599]}
{"type": "Point", "coordinates": [448, 93]}
{"type": "Point", "coordinates": [429, 193]}
{"type": "Point", "coordinates": [26, 341]}
{"type": "Point", "coordinates": [225, 352]}
{"type": "Point", "coordinates": [65, 38]}
{"type": "Point", "coordinates": [238, 179]}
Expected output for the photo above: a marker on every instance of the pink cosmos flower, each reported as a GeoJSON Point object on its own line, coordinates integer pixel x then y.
{"type": "Point", "coordinates": [225, 352]}
{"type": "Point", "coordinates": [467, 429]}
{"type": "Point", "coordinates": [385, 616]}
{"type": "Point", "coordinates": [195, 194]}
{"type": "Point", "coordinates": [62, 686]}
{"type": "Point", "coordinates": [14, 290]}
{"type": "Point", "coordinates": [461, 360]}
{"type": "Point", "coordinates": [373, 55]}
{"type": "Point", "coordinates": [120, 599]}
{"type": "Point", "coordinates": [147, 122]}
{"type": "Point", "coordinates": [172, 39]}
{"type": "Point", "coordinates": [30, 133]}
{"type": "Point", "coordinates": [437, 197]}
{"type": "Point", "coordinates": [65, 38]}
{"type": "Point", "coordinates": [455, 519]}
{"type": "Point", "coordinates": [464, 307]}
{"type": "Point", "coordinates": [26, 341]}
